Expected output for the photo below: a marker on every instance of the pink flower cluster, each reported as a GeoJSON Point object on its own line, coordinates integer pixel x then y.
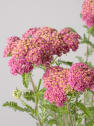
{"type": "Point", "coordinates": [29, 33]}
{"type": "Point", "coordinates": [53, 39]}
{"type": "Point", "coordinates": [59, 81]}
{"type": "Point", "coordinates": [38, 45]}
{"type": "Point", "coordinates": [81, 76]}
{"type": "Point", "coordinates": [56, 95]}
{"type": "Point", "coordinates": [88, 12]}
{"type": "Point", "coordinates": [56, 81]}
{"type": "Point", "coordinates": [18, 50]}
{"type": "Point", "coordinates": [11, 43]}
{"type": "Point", "coordinates": [19, 66]}
{"type": "Point", "coordinates": [40, 52]}
{"type": "Point", "coordinates": [70, 38]}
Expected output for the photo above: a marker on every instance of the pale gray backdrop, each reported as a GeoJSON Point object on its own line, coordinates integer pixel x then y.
{"type": "Point", "coordinates": [16, 16]}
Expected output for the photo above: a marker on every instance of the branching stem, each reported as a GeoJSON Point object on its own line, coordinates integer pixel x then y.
{"type": "Point", "coordinates": [36, 104]}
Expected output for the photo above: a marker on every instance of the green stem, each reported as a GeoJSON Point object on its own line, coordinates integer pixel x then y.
{"type": "Point", "coordinates": [39, 121]}
{"type": "Point", "coordinates": [92, 99]}
{"type": "Point", "coordinates": [65, 122]}
{"type": "Point", "coordinates": [33, 85]}
{"type": "Point", "coordinates": [55, 118]}
{"type": "Point", "coordinates": [36, 103]}
{"type": "Point", "coordinates": [69, 115]}
{"type": "Point", "coordinates": [86, 62]}
{"type": "Point", "coordinates": [84, 104]}
{"type": "Point", "coordinates": [54, 60]}
{"type": "Point", "coordinates": [87, 54]}
{"type": "Point", "coordinates": [87, 49]}
{"type": "Point", "coordinates": [34, 89]}
{"type": "Point", "coordinates": [75, 110]}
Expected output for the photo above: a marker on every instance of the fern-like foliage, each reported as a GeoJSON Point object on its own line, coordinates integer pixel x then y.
{"type": "Point", "coordinates": [29, 95]}
{"type": "Point", "coordinates": [89, 30]}
{"type": "Point", "coordinates": [59, 62]}
{"type": "Point", "coordinates": [14, 106]}
{"type": "Point", "coordinates": [26, 79]}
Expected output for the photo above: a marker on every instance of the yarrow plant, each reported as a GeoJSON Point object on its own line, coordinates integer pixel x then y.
{"type": "Point", "coordinates": [66, 97]}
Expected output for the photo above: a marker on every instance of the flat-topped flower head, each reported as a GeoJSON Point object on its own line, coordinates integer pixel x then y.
{"type": "Point", "coordinates": [40, 52]}
{"type": "Point", "coordinates": [81, 77]}
{"type": "Point", "coordinates": [22, 47]}
{"type": "Point", "coordinates": [11, 43]}
{"type": "Point", "coordinates": [56, 76]}
{"type": "Point", "coordinates": [19, 66]}
{"type": "Point", "coordinates": [52, 37]}
{"type": "Point", "coordinates": [87, 12]}
{"type": "Point", "coordinates": [55, 95]}
{"type": "Point", "coordinates": [29, 33]}
{"type": "Point", "coordinates": [41, 42]}
{"type": "Point", "coordinates": [47, 33]}
{"type": "Point", "coordinates": [70, 37]}
{"type": "Point", "coordinates": [55, 80]}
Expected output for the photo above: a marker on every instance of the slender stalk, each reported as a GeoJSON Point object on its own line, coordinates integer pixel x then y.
{"type": "Point", "coordinates": [36, 104]}
{"type": "Point", "coordinates": [85, 92]}
{"type": "Point", "coordinates": [68, 108]}
{"type": "Point", "coordinates": [33, 85]}
{"type": "Point", "coordinates": [75, 117]}
{"type": "Point", "coordinates": [86, 62]}
{"type": "Point", "coordinates": [55, 118]}
{"type": "Point", "coordinates": [92, 99]}
{"type": "Point", "coordinates": [66, 124]}
{"type": "Point", "coordinates": [87, 49]}
{"type": "Point", "coordinates": [87, 54]}
{"type": "Point", "coordinates": [34, 89]}
{"type": "Point", "coordinates": [39, 121]}
{"type": "Point", "coordinates": [63, 120]}
{"type": "Point", "coordinates": [54, 60]}
{"type": "Point", "coordinates": [84, 104]}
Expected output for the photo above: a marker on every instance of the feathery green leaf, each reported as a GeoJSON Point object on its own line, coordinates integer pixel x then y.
{"type": "Point", "coordinates": [90, 123]}
{"type": "Point", "coordinates": [29, 95]}
{"type": "Point", "coordinates": [39, 84]}
{"type": "Point", "coordinates": [59, 62]}
{"type": "Point", "coordinates": [91, 30]}
{"type": "Point", "coordinates": [52, 121]}
{"type": "Point", "coordinates": [83, 108]}
{"type": "Point", "coordinates": [13, 105]}
{"type": "Point", "coordinates": [26, 79]}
